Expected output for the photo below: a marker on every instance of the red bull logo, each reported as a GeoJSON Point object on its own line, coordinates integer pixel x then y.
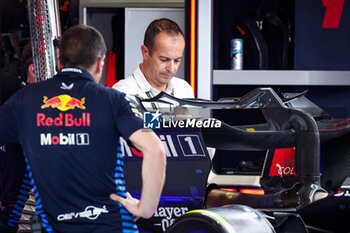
{"type": "Point", "coordinates": [63, 102]}
{"type": "Point", "coordinates": [67, 120]}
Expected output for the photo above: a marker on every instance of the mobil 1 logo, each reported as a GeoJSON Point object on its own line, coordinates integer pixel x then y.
{"type": "Point", "coordinates": [190, 145]}
{"type": "Point", "coordinates": [80, 139]}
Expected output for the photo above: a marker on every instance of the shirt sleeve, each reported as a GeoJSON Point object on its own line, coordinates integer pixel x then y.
{"type": "Point", "coordinates": [183, 89]}
{"type": "Point", "coordinates": [128, 118]}
{"type": "Point", "coordinates": [121, 86]}
{"type": "Point", "coordinates": [8, 122]}
{"type": "Point", "coordinates": [127, 86]}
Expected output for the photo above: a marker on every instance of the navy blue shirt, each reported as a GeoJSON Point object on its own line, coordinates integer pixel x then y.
{"type": "Point", "coordinates": [69, 128]}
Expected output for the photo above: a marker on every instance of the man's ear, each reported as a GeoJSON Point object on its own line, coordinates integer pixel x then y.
{"type": "Point", "coordinates": [31, 69]}
{"type": "Point", "coordinates": [145, 52]}
{"type": "Point", "coordinates": [100, 64]}
{"type": "Point", "coordinates": [30, 74]}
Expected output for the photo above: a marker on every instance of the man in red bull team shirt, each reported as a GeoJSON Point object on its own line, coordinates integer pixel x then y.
{"type": "Point", "coordinates": [69, 128]}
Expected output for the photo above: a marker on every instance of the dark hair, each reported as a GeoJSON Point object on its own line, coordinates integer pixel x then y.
{"type": "Point", "coordinates": [157, 26]}
{"type": "Point", "coordinates": [81, 46]}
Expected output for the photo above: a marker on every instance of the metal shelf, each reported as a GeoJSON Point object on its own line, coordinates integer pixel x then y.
{"type": "Point", "coordinates": [281, 77]}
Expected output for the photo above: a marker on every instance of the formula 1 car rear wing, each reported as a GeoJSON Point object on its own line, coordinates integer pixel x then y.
{"type": "Point", "coordinates": [293, 121]}
{"type": "Point", "coordinates": [299, 127]}
{"type": "Point", "coordinates": [250, 100]}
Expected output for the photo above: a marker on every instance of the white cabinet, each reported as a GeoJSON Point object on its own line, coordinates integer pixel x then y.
{"type": "Point", "coordinates": [137, 16]}
{"type": "Point", "coordinates": [136, 23]}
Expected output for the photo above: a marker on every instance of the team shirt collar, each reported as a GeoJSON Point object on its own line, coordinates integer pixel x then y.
{"type": "Point", "coordinates": [75, 71]}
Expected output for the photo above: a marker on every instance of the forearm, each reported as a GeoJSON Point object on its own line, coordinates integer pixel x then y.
{"type": "Point", "coordinates": [153, 177]}
{"type": "Point", "coordinates": [153, 173]}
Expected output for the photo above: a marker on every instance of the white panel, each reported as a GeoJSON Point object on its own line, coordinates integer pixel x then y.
{"type": "Point", "coordinates": [204, 49]}
{"type": "Point", "coordinates": [136, 23]}
{"type": "Point", "coordinates": [281, 77]}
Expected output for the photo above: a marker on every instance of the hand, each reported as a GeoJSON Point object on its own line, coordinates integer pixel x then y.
{"type": "Point", "coordinates": [130, 203]}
